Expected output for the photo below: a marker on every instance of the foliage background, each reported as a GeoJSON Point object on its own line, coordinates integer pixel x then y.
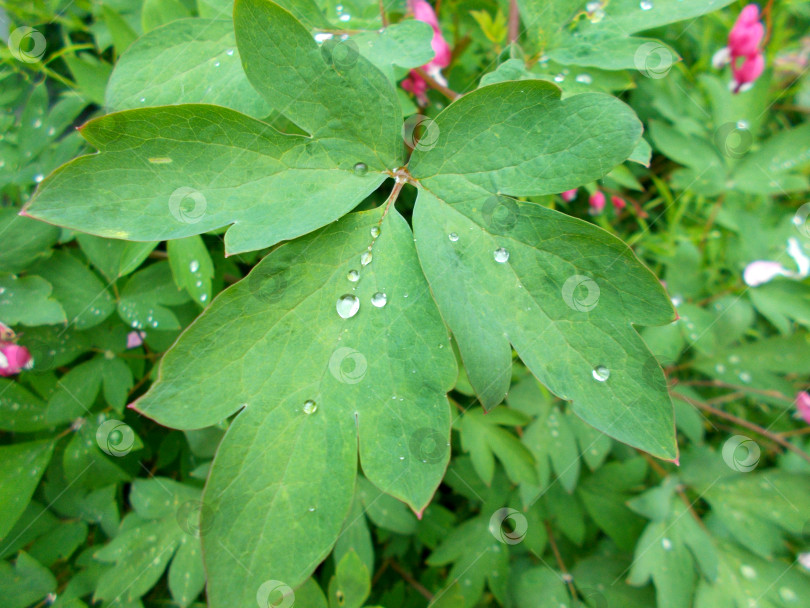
{"type": "Point", "coordinates": [100, 505]}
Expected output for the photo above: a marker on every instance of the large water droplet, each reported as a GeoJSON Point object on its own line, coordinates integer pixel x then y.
{"type": "Point", "coordinates": [645, 5]}
{"type": "Point", "coordinates": [347, 306]}
{"type": "Point", "coordinates": [310, 407]}
{"type": "Point", "coordinates": [601, 373]}
{"type": "Point", "coordinates": [452, 236]}
{"type": "Point", "coordinates": [353, 276]}
{"type": "Point", "coordinates": [39, 177]}
{"type": "Point", "coordinates": [365, 259]}
{"type": "Point", "coordinates": [360, 169]}
{"type": "Point", "coordinates": [584, 79]}
{"type": "Point", "coordinates": [379, 299]}
{"type": "Point", "coordinates": [748, 572]}
{"type": "Point", "coordinates": [375, 232]}
{"type": "Point", "coordinates": [501, 255]}
{"type": "Point", "coordinates": [194, 266]}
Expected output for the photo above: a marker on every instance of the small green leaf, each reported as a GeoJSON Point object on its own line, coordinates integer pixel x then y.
{"type": "Point", "coordinates": [28, 301]}
{"type": "Point", "coordinates": [192, 267]}
{"type": "Point", "coordinates": [351, 584]}
{"type": "Point", "coordinates": [23, 465]}
{"type": "Point", "coordinates": [25, 583]}
{"type": "Point", "coordinates": [146, 297]}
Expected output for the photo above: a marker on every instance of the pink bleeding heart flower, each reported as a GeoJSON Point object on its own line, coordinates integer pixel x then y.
{"type": "Point", "coordinates": [803, 406]}
{"type": "Point", "coordinates": [744, 39]}
{"type": "Point", "coordinates": [618, 202]}
{"type": "Point", "coordinates": [597, 202]}
{"type": "Point", "coordinates": [747, 72]}
{"type": "Point", "coordinates": [442, 54]}
{"type": "Point", "coordinates": [13, 359]}
{"type": "Point", "coordinates": [569, 195]}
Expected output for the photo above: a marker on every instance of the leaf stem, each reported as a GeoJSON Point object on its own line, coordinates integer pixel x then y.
{"type": "Point", "coordinates": [567, 578]}
{"type": "Point", "coordinates": [514, 21]}
{"type": "Point", "coordinates": [744, 423]}
{"type": "Point", "coordinates": [431, 82]}
{"type": "Point", "coordinates": [411, 580]}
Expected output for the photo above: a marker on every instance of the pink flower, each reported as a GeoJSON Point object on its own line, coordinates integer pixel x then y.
{"type": "Point", "coordinates": [751, 69]}
{"type": "Point", "coordinates": [803, 406]}
{"type": "Point", "coordinates": [414, 83]}
{"type": "Point", "coordinates": [618, 202]}
{"type": "Point", "coordinates": [743, 51]}
{"type": "Point", "coordinates": [597, 202]}
{"type": "Point", "coordinates": [13, 359]}
{"type": "Point", "coordinates": [569, 195]}
{"type": "Point", "coordinates": [135, 339]}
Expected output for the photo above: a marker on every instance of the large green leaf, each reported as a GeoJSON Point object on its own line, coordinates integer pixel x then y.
{"type": "Point", "coordinates": [564, 293]}
{"type": "Point", "coordinates": [185, 61]}
{"type": "Point", "coordinates": [176, 171]}
{"type": "Point", "coordinates": [274, 342]}
{"type": "Point", "coordinates": [23, 465]}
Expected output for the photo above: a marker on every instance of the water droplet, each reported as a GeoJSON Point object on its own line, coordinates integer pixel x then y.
{"type": "Point", "coordinates": [347, 306]}
{"type": "Point", "coordinates": [501, 255]}
{"type": "Point", "coordinates": [745, 377]}
{"type": "Point", "coordinates": [584, 79]}
{"type": "Point", "coordinates": [51, 131]}
{"type": "Point", "coordinates": [345, 18]}
{"type": "Point", "coordinates": [194, 266]}
{"type": "Point", "coordinates": [310, 407]}
{"type": "Point", "coordinates": [216, 64]}
{"type": "Point", "coordinates": [742, 124]}
{"type": "Point", "coordinates": [559, 78]}
{"type": "Point", "coordinates": [203, 298]}
{"type": "Point", "coordinates": [601, 373]}
{"type": "Point", "coordinates": [39, 177]}
{"type": "Point", "coordinates": [229, 52]}
{"type": "Point", "coordinates": [787, 594]}
{"type": "Point", "coordinates": [666, 544]}
{"type": "Point", "coordinates": [720, 368]}
{"type": "Point", "coordinates": [322, 37]}
{"type": "Point", "coordinates": [143, 99]}
{"type": "Point", "coordinates": [360, 169]}
{"type": "Point", "coordinates": [375, 232]}
{"type": "Point", "coordinates": [452, 236]}
{"type": "Point", "coordinates": [379, 299]}
{"type": "Point", "coordinates": [748, 572]}
{"type": "Point", "coordinates": [311, 509]}
{"type": "Point", "coordinates": [353, 276]}
{"type": "Point", "coordinates": [365, 259]}
{"type": "Point", "coordinates": [646, 5]}
{"type": "Point", "coordinates": [37, 123]}
{"type": "Point", "coordinates": [733, 359]}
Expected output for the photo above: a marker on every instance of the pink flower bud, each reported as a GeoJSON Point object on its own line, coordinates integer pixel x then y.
{"type": "Point", "coordinates": [422, 11]}
{"type": "Point", "coordinates": [744, 39]}
{"type": "Point", "coordinates": [749, 70]}
{"type": "Point", "coordinates": [803, 406]}
{"type": "Point", "coordinates": [13, 359]}
{"type": "Point", "coordinates": [442, 54]}
{"type": "Point", "coordinates": [750, 14]}
{"type": "Point", "coordinates": [569, 195]}
{"type": "Point", "coordinates": [416, 85]}
{"type": "Point", "coordinates": [597, 202]}
{"type": "Point", "coordinates": [618, 202]}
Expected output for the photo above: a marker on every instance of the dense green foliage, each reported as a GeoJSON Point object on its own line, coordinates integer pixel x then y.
{"type": "Point", "coordinates": [301, 333]}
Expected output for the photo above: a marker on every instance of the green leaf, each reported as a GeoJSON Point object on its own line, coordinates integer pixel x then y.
{"type": "Point", "coordinates": [200, 168]}
{"type": "Point", "coordinates": [75, 392]}
{"type": "Point", "coordinates": [146, 296]}
{"type": "Point", "coordinates": [158, 12]}
{"type": "Point", "coordinates": [23, 465]}
{"type": "Point", "coordinates": [114, 258]}
{"type": "Point", "coordinates": [351, 584]}
{"type": "Point", "coordinates": [562, 338]}
{"type": "Point", "coordinates": [25, 583]}
{"type": "Point", "coordinates": [165, 520]}
{"type": "Point", "coordinates": [27, 301]}
{"type": "Point", "coordinates": [298, 488]}
{"type": "Point", "coordinates": [20, 410]}
{"type": "Point", "coordinates": [551, 439]}
{"type": "Point", "coordinates": [540, 587]}
{"type": "Point", "coordinates": [24, 241]}
{"type": "Point", "coordinates": [186, 61]}
{"type": "Point", "coordinates": [85, 298]}
{"type": "Point", "coordinates": [331, 91]}
{"type": "Point", "coordinates": [483, 437]}
{"type": "Point", "coordinates": [405, 44]}
{"type": "Point", "coordinates": [192, 267]}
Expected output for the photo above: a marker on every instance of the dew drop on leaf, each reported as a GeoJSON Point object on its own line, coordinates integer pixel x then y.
{"type": "Point", "coordinates": [365, 259]}
{"type": "Point", "coordinates": [584, 79]}
{"type": "Point", "coordinates": [666, 544]}
{"type": "Point", "coordinates": [646, 5]}
{"type": "Point", "coordinates": [601, 373]}
{"type": "Point", "coordinates": [360, 169]}
{"type": "Point", "coordinates": [194, 266]}
{"type": "Point", "coordinates": [379, 299]}
{"type": "Point", "coordinates": [353, 276]}
{"type": "Point", "coordinates": [452, 236]}
{"type": "Point", "coordinates": [310, 407]}
{"type": "Point", "coordinates": [375, 232]}
{"type": "Point", "coordinates": [501, 255]}
{"type": "Point", "coordinates": [347, 306]}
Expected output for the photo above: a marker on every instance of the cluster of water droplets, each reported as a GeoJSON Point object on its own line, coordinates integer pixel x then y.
{"type": "Point", "coordinates": [348, 304]}
{"type": "Point", "coordinates": [194, 268]}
